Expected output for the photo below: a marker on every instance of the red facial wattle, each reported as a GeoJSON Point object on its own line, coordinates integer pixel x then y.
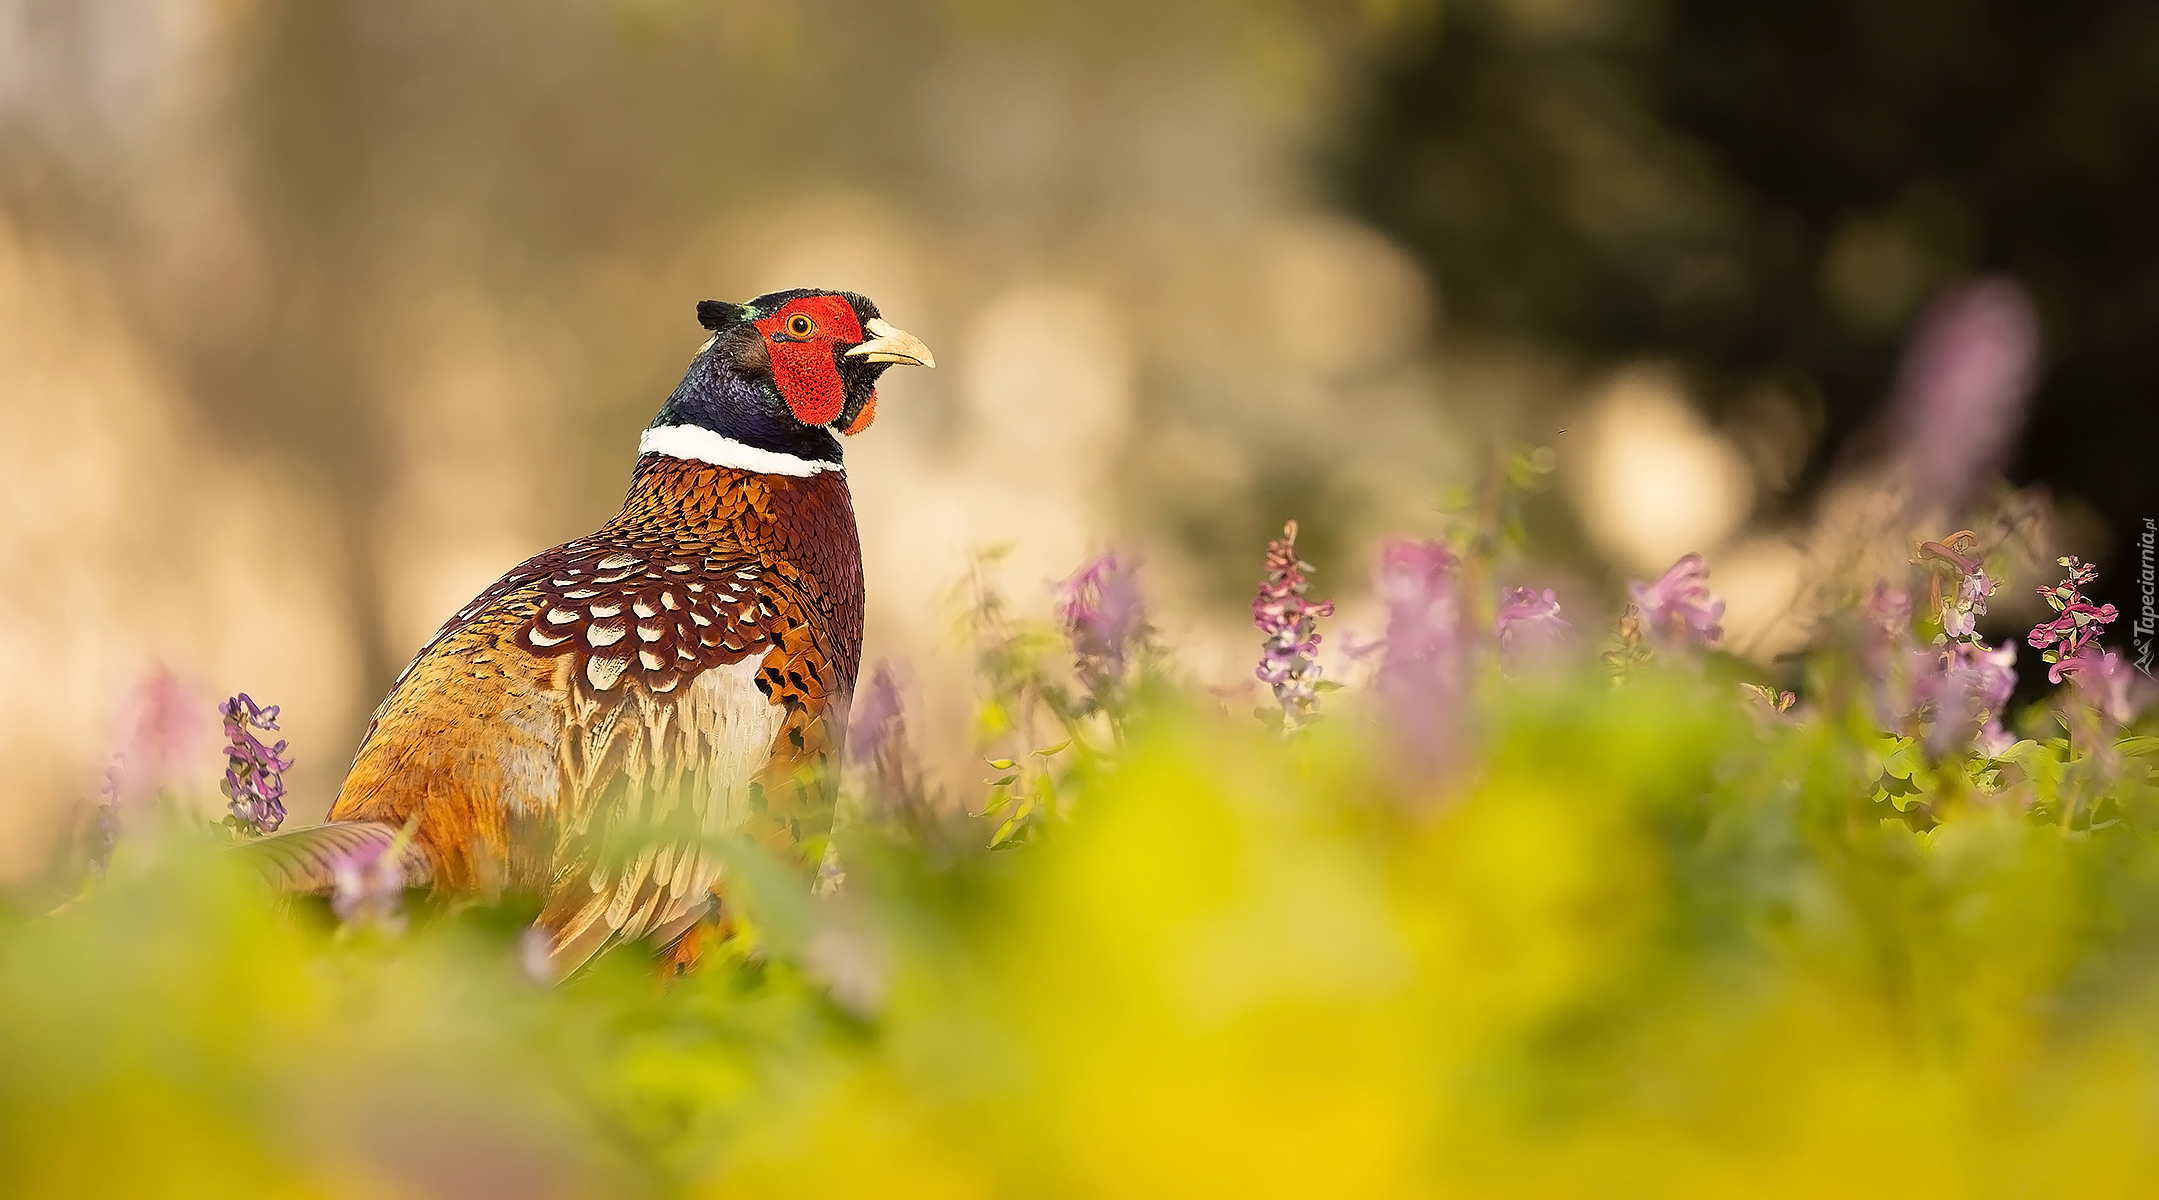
{"type": "Point", "coordinates": [803, 354]}
{"type": "Point", "coordinates": [862, 419]}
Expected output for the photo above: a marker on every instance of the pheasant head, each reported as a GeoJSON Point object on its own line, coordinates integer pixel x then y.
{"type": "Point", "coordinates": [780, 376]}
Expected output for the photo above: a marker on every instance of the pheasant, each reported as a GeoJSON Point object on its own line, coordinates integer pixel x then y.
{"type": "Point", "coordinates": [586, 727]}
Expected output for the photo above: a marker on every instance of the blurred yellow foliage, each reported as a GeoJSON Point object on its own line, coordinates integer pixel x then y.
{"type": "Point", "coordinates": [1645, 944]}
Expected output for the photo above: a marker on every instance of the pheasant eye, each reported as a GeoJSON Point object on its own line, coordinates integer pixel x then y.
{"type": "Point", "coordinates": [801, 326]}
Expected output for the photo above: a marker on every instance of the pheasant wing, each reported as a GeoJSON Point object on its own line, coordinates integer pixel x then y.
{"type": "Point", "coordinates": [700, 700]}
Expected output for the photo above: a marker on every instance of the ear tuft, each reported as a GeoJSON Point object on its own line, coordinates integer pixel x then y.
{"type": "Point", "coordinates": [717, 315]}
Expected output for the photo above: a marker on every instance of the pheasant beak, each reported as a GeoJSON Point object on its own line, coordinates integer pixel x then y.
{"type": "Point", "coordinates": [890, 344]}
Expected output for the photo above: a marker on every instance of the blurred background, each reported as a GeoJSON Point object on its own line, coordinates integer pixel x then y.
{"type": "Point", "coordinates": [315, 317]}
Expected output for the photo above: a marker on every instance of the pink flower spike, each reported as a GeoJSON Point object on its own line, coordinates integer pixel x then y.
{"type": "Point", "coordinates": [1289, 654]}
{"type": "Point", "coordinates": [254, 784]}
{"type": "Point", "coordinates": [2107, 681]}
{"type": "Point", "coordinates": [1421, 673]}
{"type": "Point", "coordinates": [1103, 616]}
{"type": "Point", "coordinates": [1528, 626]}
{"type": "Point", "coordinates": [2077, 622]}
{"type": "Point", "coordinates": [1964, 686]}
{"type": "Point", "coordinates": [1889, 610]}
{"type": "Point", "coordinates": [1993, 740]}
{"type": "Point", "coordinates": [160, 724]}
{"type": "Point", "coordinates": [879, 717]}
{"type": "Point", "coordinates": [367, 885]}
{"type": "Point", "coordinates": [1961, 610]}
{"type": "Point", "coordinates": [1678, 610]}
{"type": "Point", "coordinates": [1963, 387]}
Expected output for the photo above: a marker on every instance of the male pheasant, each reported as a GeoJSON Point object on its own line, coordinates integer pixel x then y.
{"type": "Point", "coordinates": [586, 727]}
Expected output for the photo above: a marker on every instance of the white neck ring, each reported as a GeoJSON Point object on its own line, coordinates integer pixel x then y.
{"type": "Point", "coordinates": [699, 444]}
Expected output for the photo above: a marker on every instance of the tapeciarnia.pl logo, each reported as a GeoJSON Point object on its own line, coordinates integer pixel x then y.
{"type": "Point", "coordinates": [2147, 622]}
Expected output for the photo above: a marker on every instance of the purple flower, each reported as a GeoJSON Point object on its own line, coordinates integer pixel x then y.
{"type": "Point", "coordinates": [1963, 687]}
{"type": "Point", "coordinates": [367, 885]}
{"type": "Point", "coordinates": [2107, 682]}
{"type": "Point", "coordinates": [1962, 388]}
{"type": "Point", "coordinates": [1679, 610]}
{"type": "Point", "coordinates": [1993, 740]}
{"type": "Point", "coordinates": [1889, 611]}
{"type": "Point", "coordinates": [1528, 626]}
{"type": "Point", "coordinates": [160, 723]}
{"type": "Point", "coordinates": [1884, 649]}
{"type": "Point", "coordinates": [1289, 655]}
{"type": "Point", "coordinates": [1961, 610]}
{"type": "Point", "coordinates": [2077, 624]}
{"type": "Point", "coordinates": [1958, 685]}
{"type": "Point", "coordinates": [1993, 673]}
{"type": "Point", "coordinates": [877, 740]}
{"type": "Point", "coordinates": [1961, 618]}
{"type": "Point", "coordinates": [879, 717]}
{"type": "Point", "coordinates": [1421, 677]}
{"type": "Point", "coordinates": [254, 784]}
{"type": "Point", "coordinates": [2074, 629]}
{"type": "Point", "coordinates": [1103, 617]}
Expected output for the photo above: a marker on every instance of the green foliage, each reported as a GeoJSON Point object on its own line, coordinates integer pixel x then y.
{"type": "Point", "coordinates": [1653, 939]}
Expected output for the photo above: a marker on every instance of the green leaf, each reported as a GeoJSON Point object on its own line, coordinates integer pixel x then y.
{"type": "Point", "coordinates": [1904, 761]}
{"type": "Point", "coordinates": [2022, 750]}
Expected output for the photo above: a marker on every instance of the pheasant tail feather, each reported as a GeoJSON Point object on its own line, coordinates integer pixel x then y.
{"type": "Point", "coordinates": [305, 860]}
